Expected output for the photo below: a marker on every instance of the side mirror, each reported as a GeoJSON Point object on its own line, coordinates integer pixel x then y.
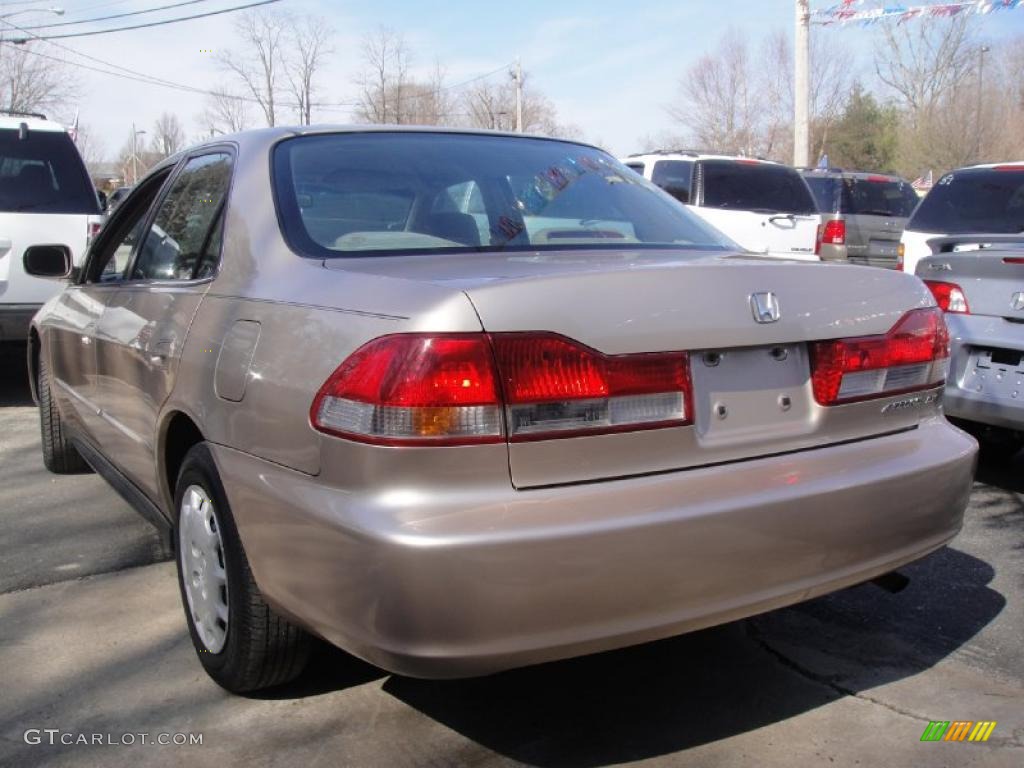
{"type": "Point", "coordinates": [51, 261]}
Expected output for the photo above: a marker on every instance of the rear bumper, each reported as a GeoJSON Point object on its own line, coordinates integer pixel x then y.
{"type": "Point", "coordinates": [993, 396]}
{"type": "Point", "coordinates": [15, 320]}
{"type": "Point", "coordinates": [452, 582]}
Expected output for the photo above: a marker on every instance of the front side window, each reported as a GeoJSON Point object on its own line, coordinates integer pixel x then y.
{"type": "Point", "coordinates": [983, 200]}
{"type": "Point", "coordinates": [751, 185]}
{"type": "Point", "coordinates": [674, 177]}
{"type": "Point", "coordinates": [42, 172]}
{"type": "Point", "coordinates": [177, 243]}
{"type": "Point", "coordinates": [360, 194]}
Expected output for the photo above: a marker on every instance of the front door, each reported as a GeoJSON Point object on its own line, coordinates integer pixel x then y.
{"type": "Point", "coordinates": [144, 326]}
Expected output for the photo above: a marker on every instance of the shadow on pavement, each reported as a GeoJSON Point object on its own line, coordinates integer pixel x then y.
{"type": "Point", "coordinates": [14, 389]}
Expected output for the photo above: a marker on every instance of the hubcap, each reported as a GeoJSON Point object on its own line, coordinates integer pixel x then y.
{"type": "Point", "coordinates": [202, 567]}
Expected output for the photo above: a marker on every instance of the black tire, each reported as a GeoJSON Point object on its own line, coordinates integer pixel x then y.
{"type": "Point", "coordinates": [59, 455]}
{"type": "Point", "coordinates": [261, 649]}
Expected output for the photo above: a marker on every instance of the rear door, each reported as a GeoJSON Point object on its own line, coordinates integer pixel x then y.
{"type": "Point", "coordinates": [45, 198]}
{"type": "Point", "coordinates": [765, 207]}
{"type": "Point", "coordinates": [877, 209]}
{"type": "Point", "coordinates": [144, 326]}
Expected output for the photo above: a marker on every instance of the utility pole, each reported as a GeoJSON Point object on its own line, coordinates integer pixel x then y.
{"type": "Point", "coordinates": [135, 156]}
{"type": "Point", "coordinates": [977, 115]}
{"type": "Point", "coordinates": [517, 76]}
{"type": "Point", "coordinates": [801, 85]}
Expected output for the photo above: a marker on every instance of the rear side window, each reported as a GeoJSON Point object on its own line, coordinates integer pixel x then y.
{"type": "Point", "coordinates": [826, 191]}
{"type": "Point", "coordinates": [982, 200]}
{"type": "Point", "coordinates": [674, 176]}
{"type": "Point", "coordinates": [43, 173]}
{"type": "Point", "coordinates": [180, 242]}
{"type": "Point", "coordinates": [755, 186]}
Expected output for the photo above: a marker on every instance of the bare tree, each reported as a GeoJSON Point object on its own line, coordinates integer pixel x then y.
{"type": "Point", "coordinates": [90, 147]}
{"type": "Point", "coordinates": [168, 135]}
{"type": "Point", "coordinates": [923, 62]}
{"type": "Point", "coordinates": [308, 46]}
{"type": "Point", "coordinates": [225, 112]}
{"type": "Point", "coordinates": [492, 104]}
{"type": "Point", "coordinates": [385, 78]}
{"type": "Point", "coordinates": [31, 83]}
{"type": "Point", "coordinates": [262, 36]}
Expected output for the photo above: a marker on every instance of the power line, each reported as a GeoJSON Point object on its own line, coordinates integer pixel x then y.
{"type": "Point", "coordinates": [150, 24]}
{"type": "Point", "coordinates": [115, 15]}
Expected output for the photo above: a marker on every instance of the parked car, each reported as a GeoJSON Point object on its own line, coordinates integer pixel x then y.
{"type": "Point", "coordinates": [979, 200]}
{"type": "Point", "coordinates": [459, 402]}
{"type": "Point", "coordinates": [116, 197]}
{"type": "Point", "coordinates": [982, 292]}
{"type": "Point", "coordinates": [763, 206]}
{"type": "Point", "coordinates": [45, 197]}
{"type": "Point", "coordinates": [863, 215]}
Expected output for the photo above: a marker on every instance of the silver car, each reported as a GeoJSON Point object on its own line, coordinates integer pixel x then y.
{"type": "Point", "coordinates": [862, 215]}
{"type": "Point", "coordinates": [978, 280]}
{"type": "Point", "coordinates": [459, 402]}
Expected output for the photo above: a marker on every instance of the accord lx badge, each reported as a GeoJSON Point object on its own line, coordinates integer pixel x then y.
{"type": "Point", "coordinates": [1017, 301]}
{"type": "Point", "coordinates": [765, 307]}
{"type": "Point", "coordinates": [910, 402]}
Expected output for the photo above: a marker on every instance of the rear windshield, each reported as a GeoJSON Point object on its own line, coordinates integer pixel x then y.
{"type": "Point", "coordinates": [881, 196]}
{"type": "Point", "coordinates": [973, 201]}
{"type": "Point", "coordinates": [353, 194]}
{"type": "Point", "coordinates": [755, 186]}
{"type": "Point", "coordinates": [43, 173]}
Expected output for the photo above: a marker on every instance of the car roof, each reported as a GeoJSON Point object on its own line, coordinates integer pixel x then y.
{"type": "Point", "coordinates": [839, 173]}
{"type": "Point", "coordinates": [14, 121]}
{"type": "Point", "coordinates": [694, 154]}
{"type": "Point", "coordinates": [264, 136]}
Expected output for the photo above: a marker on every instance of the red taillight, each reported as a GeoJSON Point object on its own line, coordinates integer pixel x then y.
{"type": "Point", "coordinates": [879, 179]}
{"type": "Point", "coordinates": [554, 386]}
{"type": "Point", "coordinates": [949, 296]}
{"type": "Point", "coordinates": [912, 355]}
{"type": "Point", "coordinates": [452, 389]}
{"type": "Point", "coordinates": [414, 389]}
{"type": "Point", "coordinates": [93, 230]}
{"type": "Point", "coordinates": [1013, 260]}
{"type": "Point", "coordinates": [834, 232]}
{"type": "Point", "coordinates": [901, 250]}
{"type": "Point", "coordinates": [1011, 168]}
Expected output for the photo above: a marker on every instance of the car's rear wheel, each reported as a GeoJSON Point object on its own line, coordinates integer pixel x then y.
{"type": "Point", "coordinates": [59, 455]}
{"type": "Point", "coordinates": [241, 642]}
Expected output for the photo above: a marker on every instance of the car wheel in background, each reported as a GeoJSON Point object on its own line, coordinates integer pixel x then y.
{"type": "Point", "coordinates": [59, 455]}
{"type": "Point", "coordinates": [241, 642]}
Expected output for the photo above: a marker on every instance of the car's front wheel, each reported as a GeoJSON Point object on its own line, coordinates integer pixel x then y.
{"type": "Point", "coordinates": [241, 642]}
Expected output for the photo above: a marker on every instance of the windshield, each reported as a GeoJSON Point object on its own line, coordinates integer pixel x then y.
{"type": "Point", "coordinates": [43, 173]}
{"type": "Point", "coordinates": [354, 194]}
{"type": "Point", "coordinates": [870, 196]}
{"type": "Point", "coordinates": [982, 200]}
{"type": "Point", "coordinates": [749, 185]}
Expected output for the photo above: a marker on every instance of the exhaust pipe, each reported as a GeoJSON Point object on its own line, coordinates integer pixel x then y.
{"type": "Point", "coordinates": [891, 582]}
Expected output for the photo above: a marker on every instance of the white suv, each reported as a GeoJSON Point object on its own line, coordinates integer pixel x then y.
{"type": "Point", "coordinates": [765, 207]}
{"type": "Point", "coordinates": [46, 196]}
{"type": "Point", "coordinates": [979, 200]}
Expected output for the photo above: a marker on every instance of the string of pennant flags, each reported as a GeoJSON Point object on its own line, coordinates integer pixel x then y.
{"type": "Point", "coordinates": [853, 12]}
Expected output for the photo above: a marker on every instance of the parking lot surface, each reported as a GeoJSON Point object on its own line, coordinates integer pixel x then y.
{"type": "Point", "coordinates": [93, 641]}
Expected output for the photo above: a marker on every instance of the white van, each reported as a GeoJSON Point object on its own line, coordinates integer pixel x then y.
{"type": "Point", "coordinates": [765, 207]}
{"type": "Point", "coordinates": [46, 197]}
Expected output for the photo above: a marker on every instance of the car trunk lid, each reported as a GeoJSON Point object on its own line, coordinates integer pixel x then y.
{"type": "Point", "coordinates": [991, 277]}
{"type": "Point", "coordinates": [752, 392]}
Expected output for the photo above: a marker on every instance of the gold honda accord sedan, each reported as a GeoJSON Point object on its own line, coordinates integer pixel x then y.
{"type": "Point", "coordinates": [458, 402]}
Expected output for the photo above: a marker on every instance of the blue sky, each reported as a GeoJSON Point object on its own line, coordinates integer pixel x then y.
{"type": "Point", "coordinates": [609, 67]}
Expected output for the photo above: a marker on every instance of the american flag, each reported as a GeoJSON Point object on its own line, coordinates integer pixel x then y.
{"type": "Point", "coordinates": [924, 183]}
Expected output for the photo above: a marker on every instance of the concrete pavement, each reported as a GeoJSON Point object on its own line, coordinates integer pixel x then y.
{"type": "Point", "coordinates": [849, 679]}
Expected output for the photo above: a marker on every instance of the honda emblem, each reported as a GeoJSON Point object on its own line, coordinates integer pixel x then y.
{"type": "Point", "coordinates": [765, 307]}
{"type": "Point", "coordinates": [1017, 301]}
